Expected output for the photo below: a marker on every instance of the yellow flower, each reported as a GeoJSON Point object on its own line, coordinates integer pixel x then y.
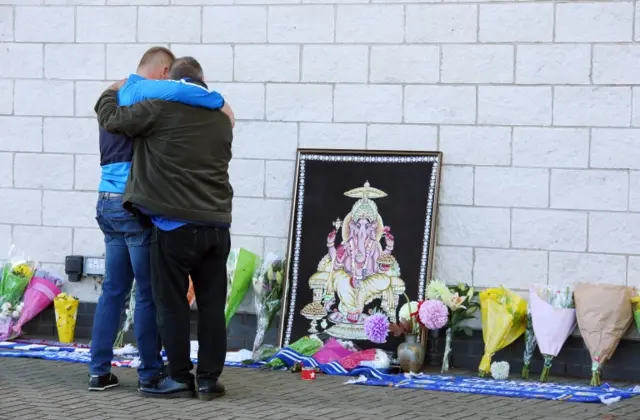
{"type": "Point", "coordinates": [23, 270]}
{"type": "Point", "coordinates": [438, 290]}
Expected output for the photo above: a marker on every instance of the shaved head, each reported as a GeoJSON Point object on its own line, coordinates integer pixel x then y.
{"type": "Point", "coordinates": [155, 63]}
{"type": "Point", "coordinates": [186, 68]}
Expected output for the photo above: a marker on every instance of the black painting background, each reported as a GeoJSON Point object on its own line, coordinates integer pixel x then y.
{"type": "Point", "coordinates": [403, 210]}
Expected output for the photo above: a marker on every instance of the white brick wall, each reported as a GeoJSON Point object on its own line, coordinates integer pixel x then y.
{"type": "Point", "coordinates": [532, 102]}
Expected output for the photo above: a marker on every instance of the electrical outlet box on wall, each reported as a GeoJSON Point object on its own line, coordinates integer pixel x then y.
{"type": "Point", "coordinates": [94, 266]}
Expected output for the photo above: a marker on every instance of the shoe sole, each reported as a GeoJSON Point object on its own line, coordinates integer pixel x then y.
{"type": "Point", "coordinates": [180, 394]}
{"type": "Point", "coordinates": [103, 388]}
{"type": "Point", "coordinates": [209, 396]}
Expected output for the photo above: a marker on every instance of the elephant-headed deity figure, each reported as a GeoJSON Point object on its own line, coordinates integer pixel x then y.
{"type": "Point", "coordinates": [356, 271]}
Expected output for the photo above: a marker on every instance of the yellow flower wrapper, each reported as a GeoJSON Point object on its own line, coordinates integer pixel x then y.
{"type": "Point", "coordinates": [66, 309]}
{"type": "Point", "coordinates": [504, 315]}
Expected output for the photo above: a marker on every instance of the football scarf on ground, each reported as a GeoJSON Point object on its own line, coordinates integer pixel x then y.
{"type": "Point", "coordinates": [363, 375]}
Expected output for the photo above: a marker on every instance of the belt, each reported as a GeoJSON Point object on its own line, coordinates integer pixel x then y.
{"type": "Point", "coordinates": [109, 195]}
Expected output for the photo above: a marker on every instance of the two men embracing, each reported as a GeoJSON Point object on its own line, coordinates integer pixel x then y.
{"type": "Point", "coordinates": [164, 207]}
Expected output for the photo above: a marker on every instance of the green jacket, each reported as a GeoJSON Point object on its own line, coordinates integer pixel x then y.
{"type": "Point", "coordinates": [180, 159]}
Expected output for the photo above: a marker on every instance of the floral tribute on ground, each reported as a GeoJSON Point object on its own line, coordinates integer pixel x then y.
{"type": "Point", "coordinates": [25, 291]}
{"type": "Point", "coordinates": [604, 313]}
{"type": "Point", "coordinates": [267, 288]}
{"type": "Point", "coordinates": [462, 304]}
{"type": "Point", "coordinates": [554, 318]}
{"type": "Point", "coordinates": [504, 316]}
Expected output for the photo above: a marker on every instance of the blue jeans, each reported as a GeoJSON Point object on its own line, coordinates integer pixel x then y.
{"type": "Point", "coordinates": [127, 256]}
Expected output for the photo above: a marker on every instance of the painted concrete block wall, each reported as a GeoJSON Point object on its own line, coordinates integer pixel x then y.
{"type": "Point", "coordinates": [533, 103]}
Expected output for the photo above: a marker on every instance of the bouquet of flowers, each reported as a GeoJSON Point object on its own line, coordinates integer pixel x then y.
{"type": "Point", "coordinates": [554, 318]}
{"type": "Point", "coordinates": [241, 265]}
{"type": "Point", "coordinates": [66, 310]}
{"type": "Point", "coordinates": [42, 289]}
{"type": "Point", "coordinates": [128, 317]}
{"type": "Point", "coordinates": [635, 301]}
{"type": "Point", "coordinates": [462, 304]}
{"type": "Point", "coordinates": [129, 312]}
{"type": "Point", "coordinates": [604, 314]}
{"type": "Point", "coordinates": [530, 344]}
{"type": "Point", "coordinates": [8, 315]}
{"type": "Point", "coordinates": [267, 288]}
{"type": "Point", "coordinates": [16, 274]}
{"type": "Point", "coordinates": [503, 321]}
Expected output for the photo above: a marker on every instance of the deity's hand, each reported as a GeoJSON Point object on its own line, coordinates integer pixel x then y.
{"type": "Point", "coordinates": [331, 239]}
{"type": "Point", "coordinates": [388, 237]}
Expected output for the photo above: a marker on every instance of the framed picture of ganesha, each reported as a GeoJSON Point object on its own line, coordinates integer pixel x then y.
{"type": "Point", "coordinates": [361, 240]}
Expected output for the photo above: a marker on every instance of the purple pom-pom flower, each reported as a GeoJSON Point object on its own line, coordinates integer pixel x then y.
{"type": "Point", "coordinates": [376, 327]}
{"type": "Point", "coordinates": [433, 314]}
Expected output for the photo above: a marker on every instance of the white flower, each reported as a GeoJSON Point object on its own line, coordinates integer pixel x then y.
{"type": "Point", "coordinates": [500, 370]}
{"type": "Point", "coordinates": [15, 314]}
{"type": "Point", "coordinates": [6, 306]}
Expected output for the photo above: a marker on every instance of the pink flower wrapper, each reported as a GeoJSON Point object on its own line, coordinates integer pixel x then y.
{"type": "Point", "coordinates": [332, 351]}
{"type": "Point", "coordinates": [552, 326]}
{"type": "Point", "coordinates": [38, 296]}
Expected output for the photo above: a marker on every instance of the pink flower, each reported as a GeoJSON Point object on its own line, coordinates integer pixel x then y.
{"type": "Point", "coordinates": [433, 314]}
{"type": "Point", "coordinates": [376, 327]}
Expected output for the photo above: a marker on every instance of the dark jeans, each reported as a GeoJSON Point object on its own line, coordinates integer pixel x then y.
{"type": "Point", "coordinates": [201, 252]}
{"type": "Point", "coordinates": [126, 257]}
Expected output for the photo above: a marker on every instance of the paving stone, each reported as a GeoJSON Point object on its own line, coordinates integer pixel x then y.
{"type": "Point", "coordinates": [37, 389]}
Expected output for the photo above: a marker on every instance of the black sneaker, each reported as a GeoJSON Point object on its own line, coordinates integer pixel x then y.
{"type": "Point", "coordinates": [209, 389]}
{"type": "Point", "coordinates": [153, 382]}
{"type": "Point", "coordinates": [100, 383]}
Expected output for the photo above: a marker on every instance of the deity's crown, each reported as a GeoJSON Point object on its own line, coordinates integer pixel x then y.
{"type": "Point", "coordinates": [365, 208]}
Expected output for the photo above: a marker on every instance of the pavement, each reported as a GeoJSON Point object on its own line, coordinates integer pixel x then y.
{"type": "Point", "coordinates": [40, 389]}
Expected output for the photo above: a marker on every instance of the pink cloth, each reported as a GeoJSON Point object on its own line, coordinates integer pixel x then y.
{"type": "Point", "coordinates": [353, 360]}
{"type": "Point", "coordinates": [552, 326]}
{"type": "Point", "coordinates": [331, 351]}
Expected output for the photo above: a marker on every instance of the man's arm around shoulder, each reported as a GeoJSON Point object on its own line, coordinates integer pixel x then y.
{"type": "Point", "coordinates": [132, 120]}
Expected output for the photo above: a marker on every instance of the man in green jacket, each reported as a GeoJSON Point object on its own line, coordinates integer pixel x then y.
{"type": "Point", "coordinates": [179, 181]}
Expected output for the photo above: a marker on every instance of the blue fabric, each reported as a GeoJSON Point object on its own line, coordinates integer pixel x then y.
{"type": "Point", "coordinates": [114, 176]}
{"type": "Point", "coordinates": [375, 377]}
{"type": "Point", "coordinates": [162, 223]}
{"type": "Point", "coordinates": [137, 89]}
{"type": "Point", "coordinates": [116, 152]}
{"type": "Point", "coordinates": [127, 256]}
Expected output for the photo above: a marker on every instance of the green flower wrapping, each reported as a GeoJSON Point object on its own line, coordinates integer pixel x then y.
{"type": "Point", "coordinates": [241, 265]}
{"type": "Point", "coordinates": [306, 346]}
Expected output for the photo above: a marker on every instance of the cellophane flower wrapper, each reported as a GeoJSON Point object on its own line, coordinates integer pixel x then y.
{"type": "Point", "coordinates": [529, 346]}
{"type": "Point", "coordinates": [128, 317]}
{"type": "Point", "coordinates": [6, 327]}
{"type": "Point", "coordinates": [554, 318]}
{"type": "Point", "coordinates": [635, 300]}
{"type": "Point", "coordinates": [306, 346]}
{"type": "Point", "coordinates": [241, 265]}
{"type": "Point", "coordinates": [462, 304]}
{"type": "Point", "coordinates": [268, 283]}
{"type": "Point", "coordinates": [42, 289]}
{"type": "Point", "coordinates": [504, 316]}
{"type": "Point", "coordinates": [16, 274]}
{"type": "Point", "coordinates": [66, 310]}
{"type": "Point", "coordinates": [604, 314]}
